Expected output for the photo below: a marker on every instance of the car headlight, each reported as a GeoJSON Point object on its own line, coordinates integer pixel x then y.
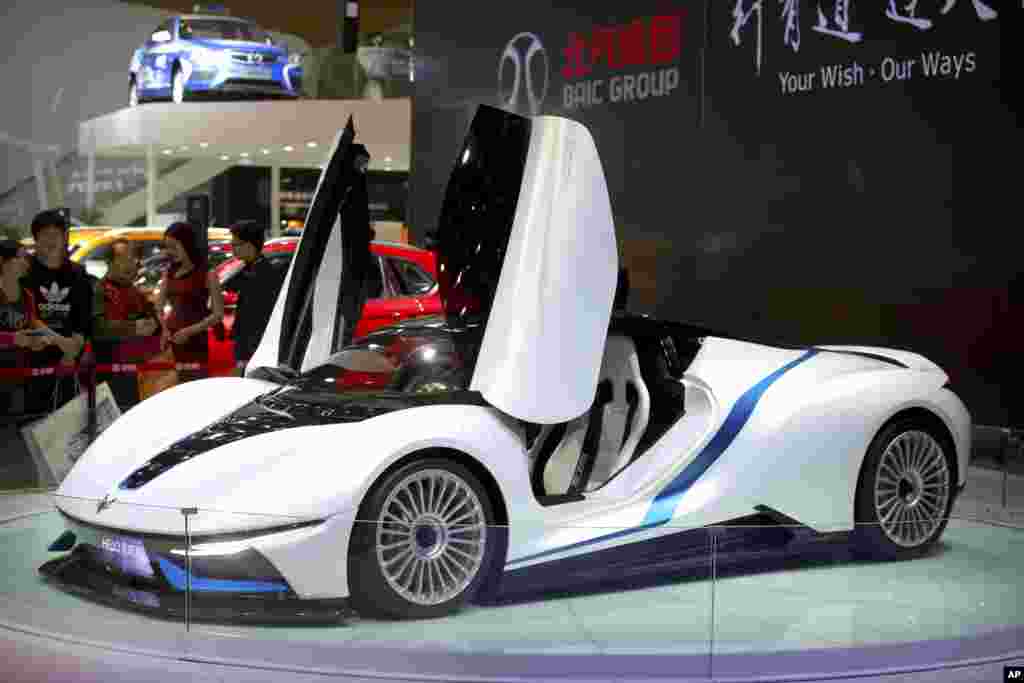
{"type": "Point", "coordinates": [295, 59]}
{"type": "Point", "coordinates": [203, 57]}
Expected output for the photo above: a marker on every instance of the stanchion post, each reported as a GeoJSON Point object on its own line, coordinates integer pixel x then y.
{"type": "Point", "coordinates": [188, 512]}
{"type": "Point", "coordinates": [89, 368]}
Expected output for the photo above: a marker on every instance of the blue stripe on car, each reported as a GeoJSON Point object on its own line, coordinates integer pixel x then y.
{"type": "Point", "coordinates": [178, 578]}
{"type": "Point", "coordinates": [664, 504]}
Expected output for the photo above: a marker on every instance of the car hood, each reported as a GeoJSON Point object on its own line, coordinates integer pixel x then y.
{"type": "Point", "coordinates": [254, 466]}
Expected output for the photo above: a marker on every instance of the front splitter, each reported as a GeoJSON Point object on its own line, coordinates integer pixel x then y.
{"type": "Point", "coordinates": [74, 574]}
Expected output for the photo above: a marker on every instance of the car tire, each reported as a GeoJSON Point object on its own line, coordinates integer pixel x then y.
{"type": "Point", "coordinates": [422, 547]}
{"type": "Point", "coordinates": [178, 91]}
{"type": "Point", "coordinates": [133, 94]}
{"type": "Point", "coordinates": [905, 491]}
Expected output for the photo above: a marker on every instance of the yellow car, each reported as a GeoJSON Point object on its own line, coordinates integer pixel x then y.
{"type": "Point", "coordinates": [92, 250]}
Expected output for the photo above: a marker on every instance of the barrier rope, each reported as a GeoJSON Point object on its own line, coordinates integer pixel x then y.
{"type": "Point", "coordinates": [113, 368]}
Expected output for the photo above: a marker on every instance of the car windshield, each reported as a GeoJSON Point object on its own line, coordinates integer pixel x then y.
{"type": "Point", "coordinates": [424, 358]}
{"type": "Point", "coordinates": [223, 29]}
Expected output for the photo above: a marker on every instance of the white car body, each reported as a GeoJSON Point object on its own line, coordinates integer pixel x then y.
{"type": "Point", "coordinates": [764, 427]}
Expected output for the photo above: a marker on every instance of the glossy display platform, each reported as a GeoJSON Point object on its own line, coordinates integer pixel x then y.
{"type": "Point", "coordinates": [815, 616]}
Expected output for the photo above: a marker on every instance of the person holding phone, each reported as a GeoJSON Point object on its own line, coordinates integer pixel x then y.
{"type": "Point", "coordinates": [63, 301]}
{"type": "Point", "coordinates": [21, 330]}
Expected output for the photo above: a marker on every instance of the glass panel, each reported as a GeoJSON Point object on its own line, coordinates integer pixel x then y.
{"type": "Point", "coordinates": [413, 279]}
{"type": "Point", "coordinates": [93, 581]}
{"type": "Point", "coordinates": [821, 593]}
{"type": "Point", "coordinates": [477, 213]}
{"type": "Point", "coordinates": [546, 618]}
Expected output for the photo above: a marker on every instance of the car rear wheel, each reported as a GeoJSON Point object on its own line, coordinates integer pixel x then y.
{"type": "Point", "coordinates": [905, 491]}
{"type": "Point", "coordinates": [178, 86]}
{"type": "Point", "coordinates": [422, 547]}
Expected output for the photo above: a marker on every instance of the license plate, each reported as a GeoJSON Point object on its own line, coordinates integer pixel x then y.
{"type": "Point", "coordinates": [126, 554]}
{"type": "Point", "coordinates": [138, 597]}
{"type": "Point", "coordinates": [255, 72]}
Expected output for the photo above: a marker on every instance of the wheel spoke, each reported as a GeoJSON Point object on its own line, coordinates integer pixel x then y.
{"type": "Point", "coordinates": [392, 546]}
{"type": "Point", "coordinates": [933, 508]}
{"type": "Point", "coordinates": [442, 584]}
{"type": "Point", "coordinates": [398, 557]}
{"type": "Point", "coordinates": [472, 514]}
{"type": "Point", "coordinates": [442, 498]}
{"type": "Point", "coordinates": [443, 566]}
{"type": "Point", "coordinates": [410, 516]}
{"type": "Point", "coordinates": [888, 517]}
{"type": "Point", "coordinates": [455, 504]}
{"type": "Point", "coordinates": [391, 518]}
{"type": "Point", "coordinates": [406, 571]}
{"type": "Point", "coordinates": [888, 466]}
{"type": "Point", "coordinates": [428, 579]}
{"type": "Point", "coordinates": [428, 494]}
{"type": "Point", "coordinates": [461, 553]}
{"type": "Point", "coordinates": [467, 541]}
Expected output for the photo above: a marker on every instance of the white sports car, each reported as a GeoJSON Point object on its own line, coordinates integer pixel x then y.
{"type": "Point", "coordinates": [533, 434]}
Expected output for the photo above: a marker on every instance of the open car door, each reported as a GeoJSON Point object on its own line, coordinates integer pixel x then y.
{"type": "Point", "coordinates": [323, 294]}
{"type": "Point", "coordinates": [527, 247]}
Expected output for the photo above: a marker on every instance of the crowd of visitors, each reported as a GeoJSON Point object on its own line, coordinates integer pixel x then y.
{"type": "Point", "coordinates": [53, 313]}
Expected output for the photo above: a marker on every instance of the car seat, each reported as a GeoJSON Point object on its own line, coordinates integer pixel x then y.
{"type": "Point", "coordinates": [582, 454]}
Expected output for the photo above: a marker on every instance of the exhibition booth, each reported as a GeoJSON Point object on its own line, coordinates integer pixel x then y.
{"type": "Point", "coordinates": [645, 399]}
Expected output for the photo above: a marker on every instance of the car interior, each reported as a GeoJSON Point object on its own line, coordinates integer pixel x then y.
{"type": "Point", "coordinates": [641, 395]}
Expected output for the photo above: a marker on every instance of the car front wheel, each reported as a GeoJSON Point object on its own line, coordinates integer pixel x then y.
{"type": "Point", "coordinates": [905, 492]}
{"type": "Point", "coordinates": [422, 546]}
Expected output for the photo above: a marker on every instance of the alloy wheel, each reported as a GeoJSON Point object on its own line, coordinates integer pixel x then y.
{"type": "Point", "coordinates": [432, 536]}
{"type": "Point", "coordinates": [912, 488]}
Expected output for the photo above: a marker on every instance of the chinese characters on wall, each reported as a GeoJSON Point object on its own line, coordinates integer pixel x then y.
{"type": "Point", "coordinates": [834, 19]}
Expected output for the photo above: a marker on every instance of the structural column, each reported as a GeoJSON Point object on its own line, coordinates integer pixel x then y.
{"type": "Point", "coordinates": [90, 172]}
{"type": "Point", "coordinates": [41, 190]}
{"type": "Point", "coordinates": [151, 178]}
{"type": "Point", "coordinates": [275, 200]}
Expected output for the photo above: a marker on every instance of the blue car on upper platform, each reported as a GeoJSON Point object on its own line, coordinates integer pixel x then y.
{"type": "Point", "coordinates": [198, 54]}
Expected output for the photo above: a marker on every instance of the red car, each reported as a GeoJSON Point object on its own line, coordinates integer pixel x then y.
{"type": "Point", "coordinates": [407, 288]}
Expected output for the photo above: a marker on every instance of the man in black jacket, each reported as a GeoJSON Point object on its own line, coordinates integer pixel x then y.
{"type": "Point", "coordinates": [258, 286]}
{"type": "Point", "coordinates": [63, 296]}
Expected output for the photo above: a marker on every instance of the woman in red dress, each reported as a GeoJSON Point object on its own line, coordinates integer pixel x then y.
{"type": "Point", "coordinates": [195, 298]}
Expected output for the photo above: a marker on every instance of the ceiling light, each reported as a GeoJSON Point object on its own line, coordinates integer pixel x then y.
{"type": "Point", "coordinates": [289, 148]}
{"type": "Point", "coordinates": [204, 145]}
{"type": "Point", "coordinates": [183, 148]}
{"type": "Point", "coordinates": [224, 157]}
{"type": "Point", "coordinates": [310, 144]}
{"type": "Point", "coordinates": [167, 151]}
{"type": "Point", "coordinates": [244, 154]}
{"type": "Point", "coordinates": [266, 151]}
{"type": "Point", "coordinates": [387, 160]}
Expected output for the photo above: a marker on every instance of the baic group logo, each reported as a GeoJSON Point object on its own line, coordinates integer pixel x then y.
{"type": "Point", "coordinates": [524, 74]}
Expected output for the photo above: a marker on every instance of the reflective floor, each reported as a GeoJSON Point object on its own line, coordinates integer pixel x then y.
{"type": "Point", "coordinates": [969, 586]}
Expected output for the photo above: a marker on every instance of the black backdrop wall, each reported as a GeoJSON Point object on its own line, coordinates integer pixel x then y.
{"type": "Point", "coordinates": [825, 171]}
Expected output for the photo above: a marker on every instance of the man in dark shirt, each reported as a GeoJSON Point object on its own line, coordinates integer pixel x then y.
{"type": "Point", "coordinates": [259, 284]}
{"type": "Point", "coordinates": [63, 296]}
{"type": "Point", "coordinates": [126, 323]}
